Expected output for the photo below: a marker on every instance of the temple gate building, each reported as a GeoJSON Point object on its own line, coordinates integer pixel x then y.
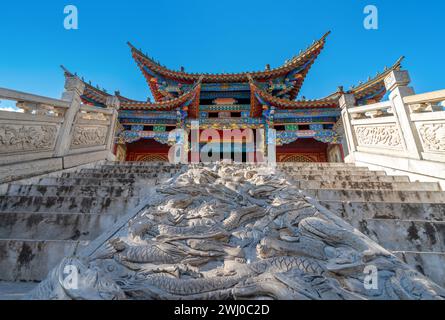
{"type": "Point", "coordinates": [127, 225]}
{"type": "Point", "coordinates": [306, 130]}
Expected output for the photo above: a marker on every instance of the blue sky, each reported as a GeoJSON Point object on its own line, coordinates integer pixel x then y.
{"type": "Point", "coordinates": [217, 36]}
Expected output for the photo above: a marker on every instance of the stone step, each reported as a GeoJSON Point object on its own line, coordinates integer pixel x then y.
{"type": "Point", "coordinates": [116, 175]}
{"type": "Point", "coordinates": [356, 211]}
{"type": "Point", "coordinates": [142, 164]}
{"type": "Point", "coordinates": [318, 167]}
{"type": "Point", "coordinates": [406, 235]}
{"type": "Point", "coordinates": [378, 196]}
{"type": "Point", "coordinates": [346, 185]}
{"type": "Point", "coordinates": [313, 168]}
{"type": "Point", "coordinates": [319, 164]}
{"type": "Point", "coordinates": [430, 264]}
{"type": "Point", "coordinates": [54, 226]}
{"type": "Point", "coordinates": [67, 204]}
{"type": "Point", "coordinates": [354, 178]}
{"type": "Point", "coordinates": [327, 169]}
{"type": "Point", "coordinates": [89, 182]}
{"type": "Point", "coordinates": [335, 172]}
{"type": "Point", "coordinates": [66, 191]}
{"type": "Point", "coordinates": [131, 171]}
{"type": "Point", "coordinates": [32, 260]}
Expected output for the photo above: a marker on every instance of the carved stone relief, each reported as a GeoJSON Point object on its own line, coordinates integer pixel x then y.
{"type": "Point", "coordinates": [85, 136]}
{"type": "Point", "coordinates": [93, 116]}
{"type": "Point", "coordinates": [433, 136]}
{"type": "Point", "coordinates": [236, 232]}
{"type": "Point", "coordinates": [21, 138]}
{"type": "Point", "coordinates": [379, 136]}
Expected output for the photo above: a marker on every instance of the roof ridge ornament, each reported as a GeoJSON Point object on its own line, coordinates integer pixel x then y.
{"type": "Point", "coordinates": [396, 66]}
{"type": "Point", "coordinates": [374, 88]}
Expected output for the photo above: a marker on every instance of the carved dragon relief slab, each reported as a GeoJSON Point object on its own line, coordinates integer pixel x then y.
{"type": "Point", "coordinates": [22, 138]}
{"type": "Point", "coordinates": [236, 232]}
{"type": "Point", "coordinates": [387, 136]}
{"type": "Point", "coordinates": [433, 136]}
{"type": "Point", "coordinates": [88, 136]}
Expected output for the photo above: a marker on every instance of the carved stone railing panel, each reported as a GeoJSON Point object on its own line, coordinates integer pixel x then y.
{"type": "Point", "coordinates": [92, 128]}
{"type": "Point", "coordinates": [382, 136]}
{"type": "Point", "coordinates": [89, 136]}
{"type": "Point", "coordinates": [16, 138]}
{"type": "Point", "coordinates": [430, 127]}
{"type": "Point", "coordinates": [433, 136]}
{"type": "Point", "coordinates": [377, 126]}
{"type": "Point", "coordinates": [29, 131]}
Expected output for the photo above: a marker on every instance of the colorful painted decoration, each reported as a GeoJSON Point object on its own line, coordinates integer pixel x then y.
{"type": "Point", "coordinates": [246, 100]}
{"type": "Point", "coordinates": [291, 127]}
{"type": "Point", "coordinates": [159, 128]}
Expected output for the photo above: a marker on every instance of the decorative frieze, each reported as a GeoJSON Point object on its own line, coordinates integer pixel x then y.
{"type": "Point", "coordinates": [22, 138]}
{"type": "Point", "coordinates": [216, 108]}
{"type": "Point", "coordinates": [133, 136]}
{"type": "Point", "coordinates": [387, 136]}
{"type": "Point", "coordinates": [433, 136]}
{"type": "Point", "coordinates": [86, 136]}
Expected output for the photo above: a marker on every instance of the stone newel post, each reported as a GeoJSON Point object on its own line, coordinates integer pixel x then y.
{"type": "Point", "coordinates": [272, 147]}
{"type": "Point", "coordinates": [397, 83]}
{"type": "Point", "coordinates": [112, 103]}
{"type": "Point", "coordinates": [74, 88]}
{"type": "Point", "coordinates": [347, 101]}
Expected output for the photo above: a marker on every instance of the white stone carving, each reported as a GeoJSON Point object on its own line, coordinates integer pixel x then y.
{"type": "Point", "coordinates": [236, 232]}
{"type": "Point", "coordinates": [433, 136]}
{"type": "Point", "coordinates": [387, 136]}
{"type": "Point", "coordinates": [425, 107]}
{"type": "Point", "coordinates": [89, 136]}
{"type": "Point", "coordinates": [93, 116]}
{"type": "Point", "coordinates": [22, 138]}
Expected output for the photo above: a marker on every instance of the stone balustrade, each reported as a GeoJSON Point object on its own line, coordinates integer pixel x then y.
{"type": "Point", "coordinates": [51, 134]}
{"type": "Point", "coordinates": [404, 135]}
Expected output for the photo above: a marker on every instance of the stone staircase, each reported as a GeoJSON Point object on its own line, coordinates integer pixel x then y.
{"type": "Point", "coordinates": [46, 219]}
{"type": "Point", "coordinates": [407, 218]}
